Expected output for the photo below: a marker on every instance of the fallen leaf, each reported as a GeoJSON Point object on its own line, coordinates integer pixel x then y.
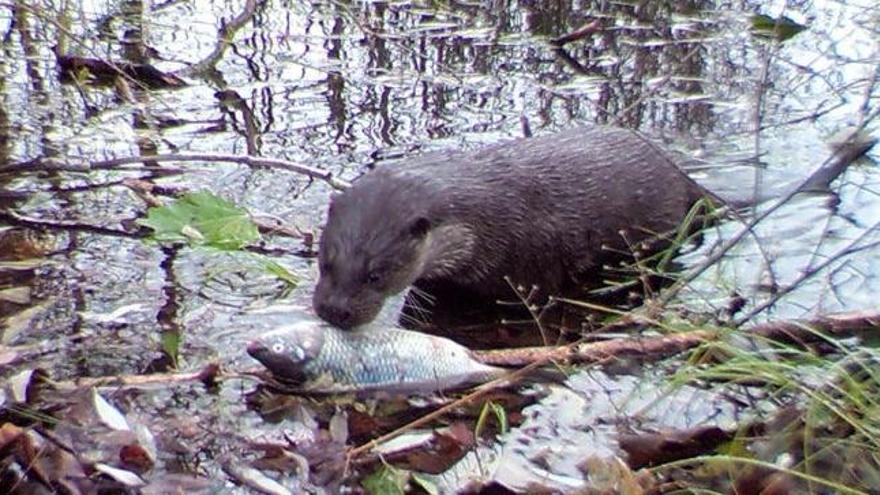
{"type": "Point", "coordinates": [652, 449]}
{"type": "Point", "coordinates": [253, 478]}
{"type": "Point", "coordinates": [136, 456]}
{"type": "Point", "coordinates": [127, 478]}
{"type": "Point", "coordinates": [109, 415]}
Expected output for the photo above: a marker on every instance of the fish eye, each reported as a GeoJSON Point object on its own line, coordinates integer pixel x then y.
{"type": "Point", "coordinates": [277, 347]}
{"type": "Point", "coordinates": [374, 277]}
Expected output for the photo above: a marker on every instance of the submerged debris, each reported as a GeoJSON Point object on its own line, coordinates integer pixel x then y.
{"type": "Point", "coordinates": [313, 356]}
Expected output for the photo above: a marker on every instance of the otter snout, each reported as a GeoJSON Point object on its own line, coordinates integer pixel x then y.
{"type": "Point", "coordinates": [339, 315]}
{"type": "Point", "coordinates": [343, 311]}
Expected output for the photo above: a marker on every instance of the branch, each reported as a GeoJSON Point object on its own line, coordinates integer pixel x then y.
{"type": "Point", "coordinates": [653, 348]}
{"type": "Point", "coordinates": [14, 218]}
{"type": "Point", "coordinates": [251, 161]}
{"type": "Point", "coordinates": [594, 352]}
{"type": "Point", "coordinates": [225, 37]}
{"type": "Point", "coordinates": [853, 247]}
{"type": "Point", "coordinates": [313, 172]}
{"type": "Point", "coordinates": [836, 325]}
{"type": "Point", "coordinates": [210, 374]}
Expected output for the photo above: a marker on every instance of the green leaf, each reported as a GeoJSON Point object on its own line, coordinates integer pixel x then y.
{"type": "Point", "coordinates": [281, 273]}
{"type": "Point", "coordinates": [386, 481]}
{"type": "Point", "coordinates": [500, 417]}
{"type": "Point", "coordinates": [781, 28]}
{"type": "Point", "coordinates": [202, 218]}
{"type": "Point", "coordinates": [171, 342]}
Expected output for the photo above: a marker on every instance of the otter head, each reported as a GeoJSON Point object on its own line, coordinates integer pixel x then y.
{"type": "Point", "coordinates": [374, 245]}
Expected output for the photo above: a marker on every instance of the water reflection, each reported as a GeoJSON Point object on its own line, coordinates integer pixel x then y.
{"type": "Point", "coordinates": [347, 85]}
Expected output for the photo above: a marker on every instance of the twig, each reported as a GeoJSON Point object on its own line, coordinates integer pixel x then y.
{"type": "Point", "coordinates": [593, 352]}
{"type": "Point", "coordinates": [758, 118]}
{"type": "Point", "coordinates": [209, 374]}
{"type": "Point", "coordinates": [849, 249]}
{"type": "Point", "coordinates": [840, 325]}
{"type": "Point", "coordinates": [251, 161]}
{"type": "Point", "coordinates": [14, 218]}
{"type": "Point", "coordinates": [313, 172]}
{"type": "Point", "coordinates": [225, 37]}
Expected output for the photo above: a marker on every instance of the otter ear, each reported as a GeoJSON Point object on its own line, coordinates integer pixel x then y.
{"type": "Point", "coordinates": [419, 227]}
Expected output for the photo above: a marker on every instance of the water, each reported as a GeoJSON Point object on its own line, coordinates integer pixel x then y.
{"type": "Point", "coordinates": [347, 85]}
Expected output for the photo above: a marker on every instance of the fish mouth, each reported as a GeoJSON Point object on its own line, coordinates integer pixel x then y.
{"type": "Point", "coordinates": [257, 350]}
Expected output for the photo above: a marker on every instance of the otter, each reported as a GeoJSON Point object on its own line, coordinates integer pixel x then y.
{"type": "Point", "coordinates": [540, 211]}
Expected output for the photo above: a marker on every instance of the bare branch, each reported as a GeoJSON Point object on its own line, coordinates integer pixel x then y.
{"type": "Point", "coordinates": [592, 352]}
{"type": "Point", "coordinates": [851, 248]}
{"type": "Point", "coordinates": [14, 218]}
{"type": "Point", "coordinates": [251, 161]}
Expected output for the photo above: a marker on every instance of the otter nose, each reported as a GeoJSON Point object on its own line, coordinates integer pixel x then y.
{"type": "Point", "coordinates": [341, 316]}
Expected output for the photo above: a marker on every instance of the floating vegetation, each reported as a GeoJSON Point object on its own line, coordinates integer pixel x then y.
{"type": "Point", "coordinates": [202, 219]}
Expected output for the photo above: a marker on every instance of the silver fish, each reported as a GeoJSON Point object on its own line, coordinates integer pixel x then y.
{"type": "Point", "coordinates": [313, 356]}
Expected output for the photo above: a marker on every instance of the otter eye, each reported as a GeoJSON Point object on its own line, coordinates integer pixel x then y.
{"type": "Point", "coordinates": [373, 277]}
{"type": "Point", "coordinates": [419, 227]}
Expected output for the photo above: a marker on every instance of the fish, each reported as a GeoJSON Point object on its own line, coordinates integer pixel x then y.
{"type": "Point", "coordinates": [312, 356]}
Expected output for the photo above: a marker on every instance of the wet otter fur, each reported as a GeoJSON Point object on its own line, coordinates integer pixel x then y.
{"type": "Point", "coordinates": [543, 211]}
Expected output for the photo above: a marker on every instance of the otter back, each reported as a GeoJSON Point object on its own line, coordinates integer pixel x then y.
{"type": "Point", "coordinates": [541, 211]}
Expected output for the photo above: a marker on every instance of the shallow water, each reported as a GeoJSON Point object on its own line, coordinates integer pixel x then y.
{"type": "Point", "coordinates": [580, 422]}
{"type": "Point", "coordinates": [346, 86]}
